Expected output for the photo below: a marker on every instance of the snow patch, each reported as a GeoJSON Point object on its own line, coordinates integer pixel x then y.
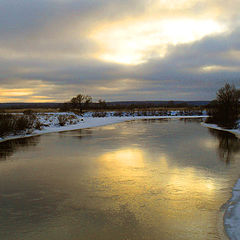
{"type": "Point", "coordinates": [236, 132]}
{"type": "Point", "coordinates": [232, 214]}
{"type": "Point", "coordinates": [50, 123]}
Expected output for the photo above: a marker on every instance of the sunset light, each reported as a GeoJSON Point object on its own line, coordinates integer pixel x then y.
{"type": "Point", "coordinates": [119, 119]}
{"type": "Point", "coordinates": [132, 43]}
{"type": "Point", "coordinates": [91, 47]}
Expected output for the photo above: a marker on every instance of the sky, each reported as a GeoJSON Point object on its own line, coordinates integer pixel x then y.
{"type": "Point", "coordinates": [52, 50]}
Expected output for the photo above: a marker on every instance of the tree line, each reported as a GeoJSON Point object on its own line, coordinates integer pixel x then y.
{"type": "Point", "coordinates": [223, 111]}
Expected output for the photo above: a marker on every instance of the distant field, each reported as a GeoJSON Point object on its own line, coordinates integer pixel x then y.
{"type": "Point", "coordinates": [46, 110]}
{"type": "Point", "coordinates": [38, 110]}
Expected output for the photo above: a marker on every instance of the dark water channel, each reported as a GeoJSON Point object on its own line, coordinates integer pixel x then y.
{"type": "Point", "coordinates": [151, 179]}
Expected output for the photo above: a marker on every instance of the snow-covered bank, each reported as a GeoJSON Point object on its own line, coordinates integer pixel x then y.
{"type": "Point", "coordinates": [236, 132]}
{"type": "Point", "coordinates": [85, 122]}
{"type": "Point", "coordinates": [232, 214]}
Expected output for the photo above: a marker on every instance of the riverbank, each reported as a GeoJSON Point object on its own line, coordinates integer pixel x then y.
{"type": "Point", "coordinates": [236, 132]}
{"type": "Point", "coordinates": [232, 214]}
{"type": "Point", "coordinates": [85, 122]}
{"type": "Point", "coordinates": [231, 218]}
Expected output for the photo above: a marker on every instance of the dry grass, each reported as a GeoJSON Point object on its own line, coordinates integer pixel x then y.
{"type": "Point", "coordinates": [35, 110]}
{"type": "Point", "coordinates": [55, 110]}
{"type": "Point", "coordinates": [15, 124]}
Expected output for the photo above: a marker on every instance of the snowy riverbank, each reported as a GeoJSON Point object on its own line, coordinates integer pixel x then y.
{"type": "Point", "coordinates": [50, 124]}
{"type": "Point", "coordinates": [236, 132]}
{"type": "Point", "coordinates": [232, 212]}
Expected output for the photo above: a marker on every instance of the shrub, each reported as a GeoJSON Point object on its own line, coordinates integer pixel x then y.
{"type": "Point", "coordinates": [6, 124]}
{"type": "Point", "coordinates": [118, 114]}
{"type": "Point", "coordinates": [99, 114]}
{"type": "Point", "coordinates": [14, 124]}
{"type": "Point", "coordinates": [23, 123]}
{"type": "Point", "coordinates": [38, 125]}
{"type": "Point", "coordinates": [62, 120]}
{"type": "Point", "coordinates": [129, 113]}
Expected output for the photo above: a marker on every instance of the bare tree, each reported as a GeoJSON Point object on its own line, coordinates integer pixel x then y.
{"type": "Point", "coordinates": [226, 110]}
{"type": "Point", "coordinates": [80, 102]}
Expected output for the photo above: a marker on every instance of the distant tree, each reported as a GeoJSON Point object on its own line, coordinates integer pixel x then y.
{"type": "Point", "coordinates": [87, 101]}
{"type": "Point", "coordinates": [102, 104]}
{"type": "Point", "coordinates": [226, 107]}
{"type": "Point", "coordinates": [80, 102]}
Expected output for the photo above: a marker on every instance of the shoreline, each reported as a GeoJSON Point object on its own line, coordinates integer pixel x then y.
{"type": "Point", "coordinates": [89, 122]}
{"type": "Point", "coordinates": [221, 226]}
{"type": "Point", "coordinates": [236, 132]}
{"type": "Point", "coordinates": [231, 214]}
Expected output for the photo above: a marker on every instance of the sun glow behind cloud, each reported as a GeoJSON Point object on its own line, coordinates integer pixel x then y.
{"type": "Point", "coordinates": [30, 94]}
{"type": "Point", "coordinates": [131, 44]}
{"type": "Point", "coordinates": [215, 68]}
{"type": "Point", "coordinates": [167, 50]}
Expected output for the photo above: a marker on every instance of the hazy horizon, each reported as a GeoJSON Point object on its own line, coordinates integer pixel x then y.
{"type": "Point", "coordinates": [116, 101]}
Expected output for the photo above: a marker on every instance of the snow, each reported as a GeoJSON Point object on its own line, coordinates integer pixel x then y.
{"type": "Point", "coordinates": [236, 132]}
{"type": "Point", "coordinates": [50, 122]}
{"type": "Point", "coordinates": [232, 212]}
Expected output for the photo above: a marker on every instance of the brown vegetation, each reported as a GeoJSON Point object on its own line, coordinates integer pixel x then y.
{"type": "Point", "coordinates": [224, 110]}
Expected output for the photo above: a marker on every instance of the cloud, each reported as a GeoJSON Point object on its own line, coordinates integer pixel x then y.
{"type": "Point", "coordinates": [58, 48]}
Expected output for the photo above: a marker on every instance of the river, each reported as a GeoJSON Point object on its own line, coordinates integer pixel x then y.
{"type": "Point", "coordinates": [144, 179]}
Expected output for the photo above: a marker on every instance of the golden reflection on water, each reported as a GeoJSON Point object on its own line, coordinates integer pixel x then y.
{"type": "Point", "coordinates": [125, 163]}
{"type": "Point", "coordinates": [209, 143]}
{"type": "Point", "coordinates": [124, 157]}
{"type": "Point", "coordinates": [156, 189]}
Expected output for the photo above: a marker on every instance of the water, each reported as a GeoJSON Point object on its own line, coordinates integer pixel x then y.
{"type": "Point", "coordinates": [151, 179]}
